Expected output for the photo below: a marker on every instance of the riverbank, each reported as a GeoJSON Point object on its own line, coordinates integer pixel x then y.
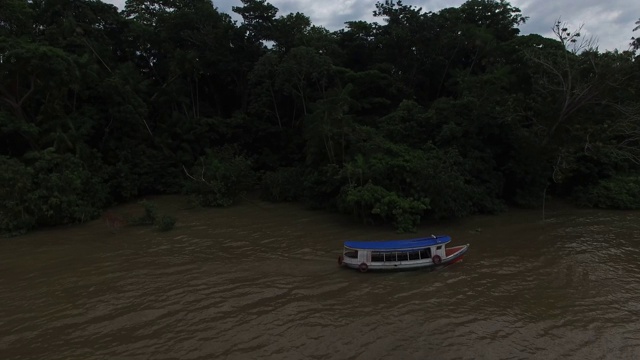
{"type": "Point", "coordinates": [184, 210]}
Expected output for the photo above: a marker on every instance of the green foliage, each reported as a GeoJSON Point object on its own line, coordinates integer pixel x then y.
{"type": "Point", "coordinates": [165, 222]}
{"type": "Point", "coordinates": [329, 127]}
{"type": "Point", "coordinates": [284, 184]}
{"type": "Point", "coordinates": [220, 178]}
{"type": "Point", "coordinates": [15, 18]}
{"type": "Point", "coordinates": [376, 204]}
{"type": "Point", "coordinates": [429, 173]}
{"type": "Point", "coordinates": [149, 217]}
{"type": "Point", "coordinates": [402, 126]}
{"type": "Point", "coordinates": [321, 187]}
{"type": "Point", "coordinates": [64, 190]}
{"type": "Point", "coordinates": [51, 189]}
{"type": "Point", "coordinates": [162, 222]}
{"type": "Point", "coordinates": [16, 216]}
{"type": "Point", "coordinates": [618, 192]}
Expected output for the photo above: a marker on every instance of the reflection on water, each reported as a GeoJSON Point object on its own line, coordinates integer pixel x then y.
{"type": "Point", "coordinates": [261, 281]}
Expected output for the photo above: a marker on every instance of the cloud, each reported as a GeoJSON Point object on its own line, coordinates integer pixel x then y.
{"type": "Point", "coordinates": [610, 22]}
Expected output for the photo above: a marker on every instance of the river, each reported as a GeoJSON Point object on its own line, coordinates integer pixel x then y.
{"type": "Point", "coordinates": [261, 281]}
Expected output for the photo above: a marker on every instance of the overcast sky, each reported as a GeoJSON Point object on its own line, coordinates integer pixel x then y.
{"type": "Point", "coordinates": [610, 22]}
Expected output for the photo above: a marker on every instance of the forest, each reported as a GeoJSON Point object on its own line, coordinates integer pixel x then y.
{"type": "Point", "coordinates": [419, 116]}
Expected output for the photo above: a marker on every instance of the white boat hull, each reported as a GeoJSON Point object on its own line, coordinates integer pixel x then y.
{"type": "Point", "coordinates": [400, 265]}
{"type": "Point", "coordinates": [452, 255]}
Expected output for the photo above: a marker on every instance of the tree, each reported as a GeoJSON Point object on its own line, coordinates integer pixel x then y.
{"type": "Point", "coordinates": [258, 19]}
{"type": "Point", "coordinates": [568, 77]}
{"type": "Point", "coordinates": [16, 18]}
{"type": "Point", "coordinates": [635, 42]}
{"type": "Point", "coordinates": [304, 73]}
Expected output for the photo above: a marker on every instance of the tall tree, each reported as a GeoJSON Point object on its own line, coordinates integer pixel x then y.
{"type": "Point", "coordinates": [635, 42]}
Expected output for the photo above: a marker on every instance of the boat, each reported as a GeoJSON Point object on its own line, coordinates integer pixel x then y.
{"type": "Point", "coordinates": [401, 254]}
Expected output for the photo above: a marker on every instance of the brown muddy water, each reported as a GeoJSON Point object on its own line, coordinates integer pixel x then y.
{"type": "Point", "coordinates": [261, 281]}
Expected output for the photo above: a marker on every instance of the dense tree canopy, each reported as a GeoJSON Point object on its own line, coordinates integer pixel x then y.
{"type": "Point", "coordinates": [423, 115]}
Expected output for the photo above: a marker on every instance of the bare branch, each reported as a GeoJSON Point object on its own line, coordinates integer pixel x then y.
{"type": "Point", "coordinates": [164, 85]}
{"type": "Point", "coordinates": [189, 175]}
{"type": "Point", "coordinates": [147, 125]}
{"type": "Point", "coordinates": [587, 145]}
{"type": "Point", "coordinates": [201, 174]}
{"type": "Point", "coordinates": [549, 66]}
{"type": "Point", "coordinates": [96, 54]}
{"type": "Point", "coordinates": [32, 87]}
{"type": "Point", "coordinates": [573, 40]}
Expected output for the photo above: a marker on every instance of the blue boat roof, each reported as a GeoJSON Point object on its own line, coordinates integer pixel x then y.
{"type": "Point", "coordinates": [398, 244]}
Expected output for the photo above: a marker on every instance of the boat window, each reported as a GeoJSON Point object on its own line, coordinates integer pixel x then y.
{"type": "Point", "coordinates": [351, 254]}
{"type": "Point", "coordinates": [414, 255]}
{"type": "Point", "coordinates": [377, 256]}
{"type": "Point", "coordinates": [390, 256]}
{"type": "Point", "coordinates": [439, 247]}
{"type": "Point", "coordinates": [425, 253]}
{"type": "Point", "coordinates": [402, 256]}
